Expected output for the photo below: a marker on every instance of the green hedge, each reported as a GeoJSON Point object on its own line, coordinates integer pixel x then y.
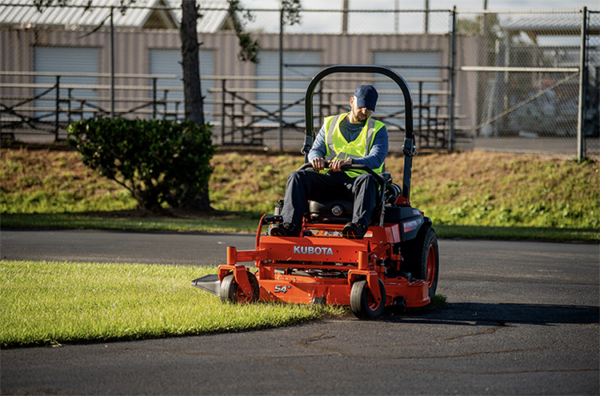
{"type": "Point", "coordinates": [160, 162]}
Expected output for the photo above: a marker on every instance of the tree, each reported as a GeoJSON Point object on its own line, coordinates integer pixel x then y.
{"type": "Point", "coordinates": [190, 54]}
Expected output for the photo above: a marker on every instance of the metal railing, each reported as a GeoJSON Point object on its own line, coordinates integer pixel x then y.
{"type": "Point", "coordinates": [239, 119]}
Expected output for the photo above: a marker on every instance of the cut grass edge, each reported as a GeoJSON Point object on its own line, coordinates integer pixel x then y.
{"type": "Point", "coordinates": [74, 303]}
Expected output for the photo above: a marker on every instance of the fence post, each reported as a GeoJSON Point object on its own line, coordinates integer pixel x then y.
{"type": "Point", "coordinates": [582, 88]}
{"type": "Point", "coordinates": [112, 65]}
{"type": "Point", "coordinates": [154, 97]}
{"type": "Point", "coordinates": [56, 125]}
{"type": "Point", "coordinates": [281, 79]}
{"type": "Point", "coordinates": [452, 81]}
{"type": "Point", "coordinates": [222, 112]}
{"type": "Point", "coordinates": [426, 16]}
{"type": "Point", "coordinates": [421, 116]}
{"type": "Point", "coordinates": [69, 115]}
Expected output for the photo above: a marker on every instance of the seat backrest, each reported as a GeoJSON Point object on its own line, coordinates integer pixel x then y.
{"type": "Point", "coordinates": [387, 177]}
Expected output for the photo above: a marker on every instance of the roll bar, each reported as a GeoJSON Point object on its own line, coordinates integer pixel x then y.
{"type": "Point", "coordinates": [409, 148]}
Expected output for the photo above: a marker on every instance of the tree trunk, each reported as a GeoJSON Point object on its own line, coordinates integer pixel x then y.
{"type": "Point", "coordinates": [190, 61]}
{"type": "Point", "coordinates": [202, 201]}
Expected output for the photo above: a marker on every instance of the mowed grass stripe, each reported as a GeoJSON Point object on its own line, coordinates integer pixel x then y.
{"type": "Point", "coordinates": [47, 303]}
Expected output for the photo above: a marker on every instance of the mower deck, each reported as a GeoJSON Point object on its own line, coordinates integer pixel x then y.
{"type": "Point", "coordinates": [322, 267]}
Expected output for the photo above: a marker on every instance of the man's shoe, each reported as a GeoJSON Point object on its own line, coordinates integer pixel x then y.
{"type": "Point", "coordinates": [283, 230]}
{"type": "Point", "coordinates": [354, 231]}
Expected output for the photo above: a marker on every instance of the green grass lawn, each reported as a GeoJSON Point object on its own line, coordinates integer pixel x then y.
{"type": "Point", "coordinates": [46, 303]}
{"type": "Point", "coordinates": [467, 195]}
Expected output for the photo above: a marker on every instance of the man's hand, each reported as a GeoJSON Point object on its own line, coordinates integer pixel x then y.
{"type": "Point", "coordinates": [318, 164]}
{"type": "Point", "coordinates": [336, 165]}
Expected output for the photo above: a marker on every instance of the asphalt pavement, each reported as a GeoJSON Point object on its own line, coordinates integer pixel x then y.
{"type": "Point", "coordinates": [522, 318]}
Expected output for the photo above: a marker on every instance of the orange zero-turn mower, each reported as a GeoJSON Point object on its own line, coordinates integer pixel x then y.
{"type": "Point", "coordinates": [395, 264]}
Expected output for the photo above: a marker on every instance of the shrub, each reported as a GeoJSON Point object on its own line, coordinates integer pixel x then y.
{"type": "Point", "coordinates": [158, 161]}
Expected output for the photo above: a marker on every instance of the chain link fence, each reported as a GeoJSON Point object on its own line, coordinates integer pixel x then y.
{"type": "Point", "coordinates": [591, 91]}
{"type": "Point", "coordinates": [525, 72]}
{"type": "Point", "coordinates": [493, 81]}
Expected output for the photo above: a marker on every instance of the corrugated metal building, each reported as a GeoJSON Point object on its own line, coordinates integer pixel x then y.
{"type": "Point", "coordinates": [39, 46]}
{"type": "Point", "coordinates": [143, 14]}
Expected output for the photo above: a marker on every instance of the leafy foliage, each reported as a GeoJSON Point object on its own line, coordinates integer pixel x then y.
{"type": "Point", "coordinates": [291, 11]}
{"type": "Point", "coordinates": [250, 47]}
{"type": "Point", "coordinates": [487, 24]}
{"type": "Point", "coordinates": [158, 161]}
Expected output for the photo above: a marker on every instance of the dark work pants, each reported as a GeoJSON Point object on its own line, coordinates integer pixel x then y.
{"type": "Point", "coordinates": [304, 185]}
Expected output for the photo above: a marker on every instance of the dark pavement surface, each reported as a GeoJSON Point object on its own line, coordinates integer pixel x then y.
{"type": "Point", "coordinates": [120, 247]}
{"type": "Point", "coordinates": [522, 318]}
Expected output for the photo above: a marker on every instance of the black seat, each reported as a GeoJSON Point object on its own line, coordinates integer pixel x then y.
{"type": "Point", "coordinates": [330, 211]}
{"type": "Point", "coordinates": [338, 211]}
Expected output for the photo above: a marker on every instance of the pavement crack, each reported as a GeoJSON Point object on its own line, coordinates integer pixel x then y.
{"type": "Point", "coordinates": [522, 281]}
{"type": "Point", "coordinates": [221, 355]}
{"type": "Point", "coordinates": [34, 391]}
{"type": "Point", "coordinates": [499, 372]}
{"type": "Point", "coordinates": [490, 330]}
{"type": "Point", "coordinates": [308, 343]}
{"type": "Point", "coordinates": [466, 354]}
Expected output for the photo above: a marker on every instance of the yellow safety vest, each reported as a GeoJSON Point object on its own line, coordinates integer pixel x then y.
{"type": "Point", "coordinates": [339, 148]}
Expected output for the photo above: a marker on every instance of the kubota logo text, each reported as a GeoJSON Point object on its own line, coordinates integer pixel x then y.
{"type": "Point", "coordinates": [325, 251]}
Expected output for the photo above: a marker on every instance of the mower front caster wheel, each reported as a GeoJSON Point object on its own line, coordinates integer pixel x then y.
{"type": "Point", "coordinates": [362, 302]}
{"type": "Point", "coordinates": [232, 292]}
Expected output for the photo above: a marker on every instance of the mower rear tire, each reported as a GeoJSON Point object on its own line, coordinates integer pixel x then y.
{"type": "Point", "coordinates": [231, 292]}
{"type": "Point", "coordinates": [422, 259]}
{"type": "Point", "coordinates": [363, 304]}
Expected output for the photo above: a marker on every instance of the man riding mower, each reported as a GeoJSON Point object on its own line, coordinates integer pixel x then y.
{"type": "Point", "coordinates": [345, 234]}
{"type": "Point", "coordinates": [352, 138]}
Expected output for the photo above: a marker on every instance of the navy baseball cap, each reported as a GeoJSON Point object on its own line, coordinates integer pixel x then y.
{"type": "Point", "coordinates": [366, 96]}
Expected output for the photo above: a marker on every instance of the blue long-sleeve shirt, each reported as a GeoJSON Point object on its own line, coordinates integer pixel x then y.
{"type": "Point", "coordinates": [350, 132]}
